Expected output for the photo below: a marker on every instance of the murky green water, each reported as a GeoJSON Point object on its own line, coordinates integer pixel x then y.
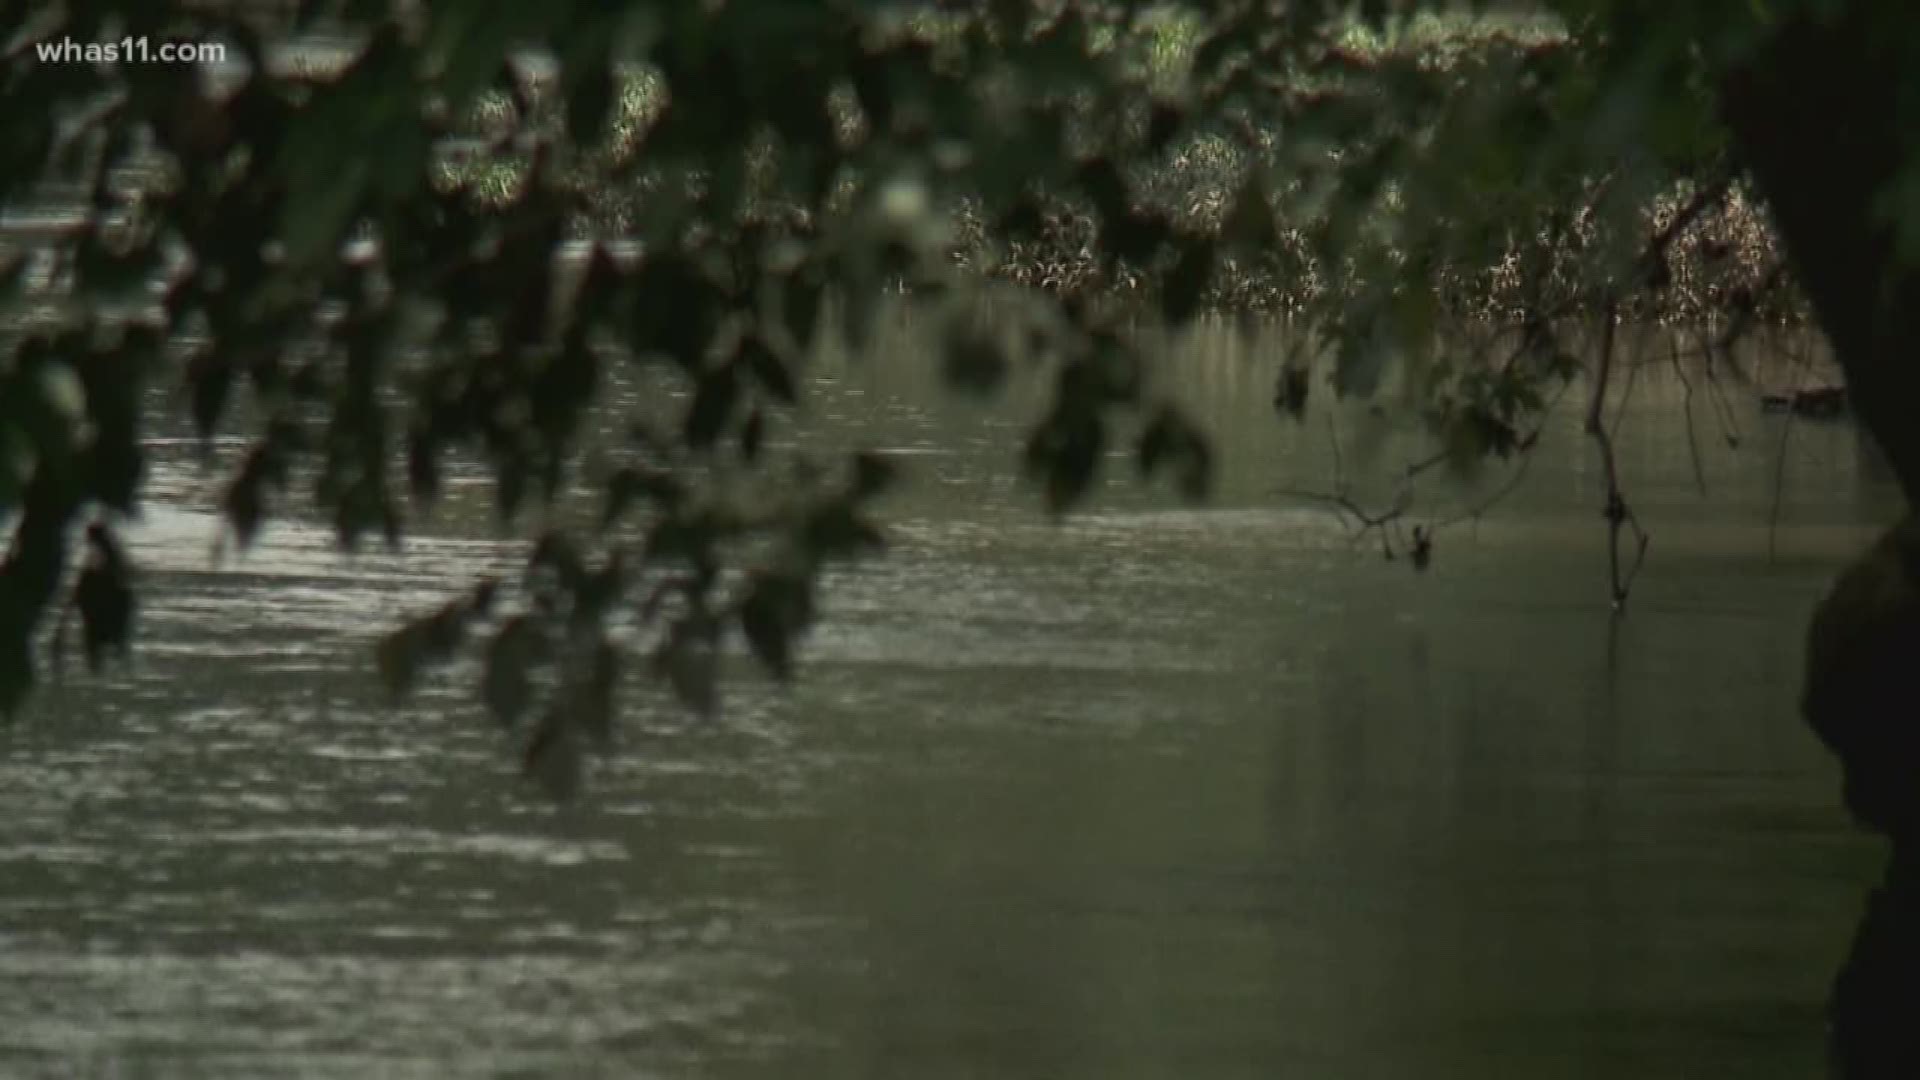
{"type": "Point", "coordinates": [1156, 791]}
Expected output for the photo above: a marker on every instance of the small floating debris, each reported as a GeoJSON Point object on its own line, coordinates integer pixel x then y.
{"type": "Point", "coordinates": [1818, 403]}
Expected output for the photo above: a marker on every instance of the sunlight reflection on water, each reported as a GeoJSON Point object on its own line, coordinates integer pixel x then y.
{"type": "Point", "coordinates": [1151, 791]}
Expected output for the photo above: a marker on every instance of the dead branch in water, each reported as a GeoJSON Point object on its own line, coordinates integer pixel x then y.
{"type": "Point", "coordinates": [1344, 506]}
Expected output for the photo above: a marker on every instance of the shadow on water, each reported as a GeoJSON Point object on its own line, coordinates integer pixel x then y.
{"type": "Point", "coordinates": [1155, 790]}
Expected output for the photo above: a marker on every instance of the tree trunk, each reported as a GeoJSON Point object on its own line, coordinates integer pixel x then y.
{"type": "Point", "coordinates": [1815, 114]}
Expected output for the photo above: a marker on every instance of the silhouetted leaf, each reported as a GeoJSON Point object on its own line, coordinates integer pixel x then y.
{"type": "Point", "coordinates": [208, 381]}
{"type": "Point", "coordinates": [1187, 280]}
{"type": "Point", "coordinates": [506, 681]}
{"type": "Point", "coordinates": [423, 468]}
{"type": "Point", "coordinates": [1170, 440]}
{"type": "Point", "coordinates": [713, 401]}
{"type": "Point", "coordinates": [1163, 123]}
{"type": "Point", "coordinates": [837, 531]}
{"type": "Point", "coordinates": [767, 368]}
{"type": "Point", "coordinates": [872, 474]}
{"type": "Point", "coordinates": [1290, 391]}
{"type": "Point", "coordinates": [104, 596]}
{"type": "Point", "coordinates": [589, 692]}
{"type": "Point", "coordinates": [630, 483]}
{"type": "Point", "coordinates": [776, 610]}
{"type": "Point", "coordinates": [803, 301]}
{"type": "Point", "coordinates": [510, 481]}
{"type": "Point", "coordinates": [751, 434]}
{"type": "Point", "coordinates": [553, 759]}
{"type": "Point", "coordinates": [1064, 453]}
{"type": "Point", "coordinates": [1250, 225]}
{"type": "Point", "coordinates": [972, 361]}
{"type": "Point", "coordinates": [398, 658]}
{"type": "Point", "coordinates": [689, 657]}
{"type": "Point", "coordinates": [16, 669]}
{"type": "Point", "coordinates": [590, 103]}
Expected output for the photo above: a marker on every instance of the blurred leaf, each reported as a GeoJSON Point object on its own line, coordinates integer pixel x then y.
{"type": "Point", "coordinates": [872, 474]}
{"type": "Point", "coordinates": [713, 403]}
{"type": "Point", "coordinates": [510, 486]}
{"type": "Point", "coordinates": [423, 468]}
{"type": "Point", "coordinates": [1250, 227]}
{"type": "Point", "coordinates": [589, 694]}
{"type": "Point", "coordinates": [752, 433]}
{"type": "Point", "coordinates": [1171, 441]}
{"type": "Point", "coordinates": [403, 654]}
{"type": "Point", "coordinates": [630, 483]}
{"type": "Point", "coordinates": [802, 304]}
{"type": "Point", "coordinates": [208, 381]}
{"type": "Point", "coordinates": [590, 103]}
{"type": "Point", "coordinates": [837, 531]}
{"type": "Point", "coordinates": [689, 657]}
{"type": "Point", "coordinates": [506, 681]}
{"type": "Point", "coordinates": [320, 207]}
{"type": "Point", "coordinates": [777, 609]}
{"type": "Point", "coordinates": [467, 42]}
{"type": "Point", "coordinates": [16, 670]}
{"type": "Point", "coordinates": [398, 658]}
{"type": "Point", "coordinates": [1290, 391]}
{"type": "Point", "coordinates": [972, 360]}
{"type": "Point", "coordinates": [553, 759]}
{"type": "Point", "coordinates": [759, 358]}
{"type": "Point", "coordinates": [1187, 281]}
{"type": "Point", "coordinates": [103, 595]}
{"type": "Point", "coordinates": [1064, 453]}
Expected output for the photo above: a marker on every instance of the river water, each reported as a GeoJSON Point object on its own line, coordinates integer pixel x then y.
{"type": "Point", "coordinates": [1152, 791]}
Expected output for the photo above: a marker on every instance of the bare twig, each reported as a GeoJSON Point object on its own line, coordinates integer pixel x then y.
{"type": "Point", "coordinates": [1617, 512]}
{"type": "Point", "coordinates": [1626, 396]}
{"type": "Point", "coordinates": [1686, 408]}
{"type": "Point", "coordinates": [1344, 507]}
{"type": "Point", "coordinates": [1801, 357]}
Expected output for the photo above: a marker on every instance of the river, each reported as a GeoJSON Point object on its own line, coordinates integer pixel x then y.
{"type": "Point", "coordinates": [1151, 791]}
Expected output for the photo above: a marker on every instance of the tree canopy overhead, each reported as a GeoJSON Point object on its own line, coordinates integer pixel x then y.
{"type": "Point", "coordinates": [388, 235]}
